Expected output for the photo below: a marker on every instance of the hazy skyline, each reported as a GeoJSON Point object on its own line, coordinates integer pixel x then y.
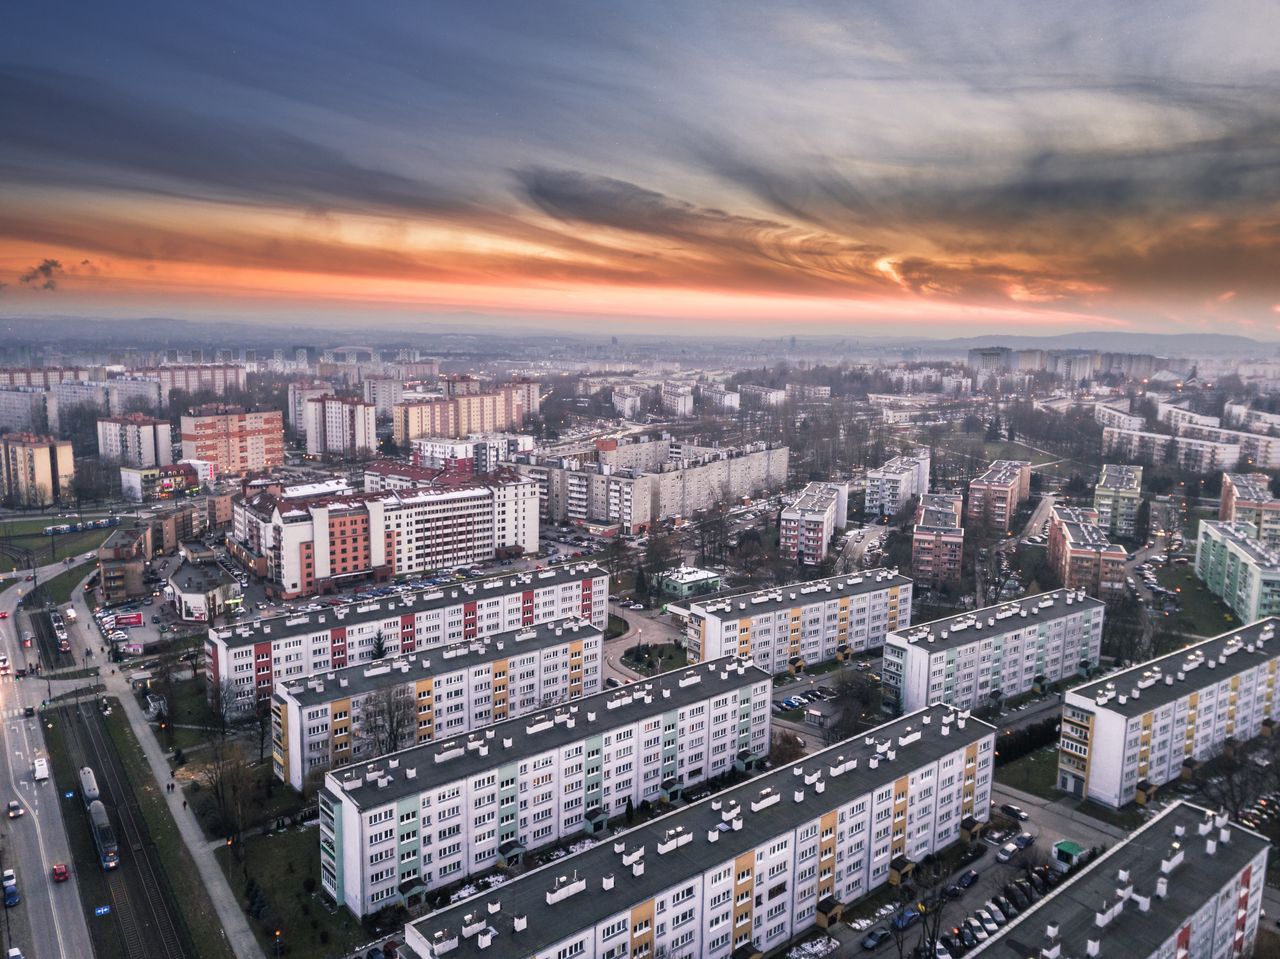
{"type": "Point", "coordinates": [925, 168]}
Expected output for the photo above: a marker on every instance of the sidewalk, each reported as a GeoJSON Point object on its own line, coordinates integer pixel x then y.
{"type": "Point", "coordinates": [232, 919]}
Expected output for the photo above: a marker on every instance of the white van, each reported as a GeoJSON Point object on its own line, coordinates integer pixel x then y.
{"type": "Point", "coordinates": [40, 772]}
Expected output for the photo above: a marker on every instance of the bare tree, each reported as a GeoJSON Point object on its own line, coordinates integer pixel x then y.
{"type": "Point", "coordinates": [224, 708]}
{"type": "Point", "coordinates": [226, 774]}
{"type": "Point", "coordinates": [786, 747]}
{"type": "Point", "coordinates": [388, 719]}
{"type": "Point", "coordinates": [921, 893]}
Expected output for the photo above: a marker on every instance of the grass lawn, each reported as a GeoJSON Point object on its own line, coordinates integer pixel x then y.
{"type": "Point", "coordinates": [1202, 612]}
{"type": "Point", "coordinates": [50, 549]}
{"type": "Point", "coordinates": [1035, 773]}
{"type": "Point", "coordinates": [286, 866]}
{"type": "Point", "coordinates": [659, 658]}
{"type": "Point", "coordinates": [179, 868]}
{"type": "Point", "coordinates": [59, 588]}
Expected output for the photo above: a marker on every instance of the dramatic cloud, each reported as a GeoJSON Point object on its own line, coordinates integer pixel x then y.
{"type": "Point", "coordinates": [840, 162]}
{"type": "Point", "coordinates": [43, 276]}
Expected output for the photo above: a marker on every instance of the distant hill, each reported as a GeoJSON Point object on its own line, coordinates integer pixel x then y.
{"type": "Point", "coordinates": [1162, 344]}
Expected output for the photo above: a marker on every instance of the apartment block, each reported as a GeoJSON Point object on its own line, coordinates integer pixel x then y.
{"type": "Point", "coordinates": [1257, 450]}
{"type": "Point", "coordinates": [36, 470]}
{"type": "Point", "coordinates": [937, 540]}
{"type": "Point", "coordinates": [891, 486]}
{"type": "Point", "coordinates": [810, 521]}
{"type": "Point", "coordinates": [1107, 415]}
{"type": "Point", "coordinates": [41, 376]}
{"type": "Point", "coordinates": [719, 399]}
{"type": "Point", "coordinates": [340, 426]}
{"type": "Point", "coordinates": [801, 624]}
{"type": "Point", "coordinates": [235, 440]}
{"type": "Point", "coordinates": [1117, 497]}
{"type": "Point", "coordinates": [469, 455]}
{"type": "Point", "coordinates": [216, 378]}
{"type": "Point", "coordinates": [323, 544]}
{"type": "Point", "coordinates": [1243, 416]}
{"type": "Point", "coordinates": [520, 785]}
{"type": "Point", "coordinates": [135, 440]}
{"type": "Point", "coordinates": [1246, 498]}
{"type": "Point", "coordinates": [761, 396]}
{"type": "Point", "coordinates": [1239, 569]}
{"type": "Point", "coordinates": [384, 392]}
{"type": "Point", "coordinates": [972, 659]}
{"type": "Point", "coordinates": [358, 713]}
{"type": "Point", "coordinates": [461, 413]}
{"type": "Point", "coordinates": [1082, 554]}
{"type": "Point", "coordinates": [1191, 453]}
{"type": "Point", "coordinates": [122, 561]}
{"type": "Point", "coordinates": [253, 656]}
{"type": "Point", "coordinates": [1188, 883]}
{"type": "Point", "coordinates": [994, 496]}
{"type": "Point", "coordinates": [25, 409]}
{"type": "Point", "coordinates": [1125, 736]}
{"type": "Point", "coordinates": [807, 392]}
{"type": "Point", "coordinates": [745, 871]}
{"type": "Point", "coordinates": [676, 399]}
{"type": "Point", "coordinates": [629, 401]}
{"type": "Point", "coordinates": [300, 391]}
{"type": "Point", "coordinates": [1178, 416]}
{"type": "Point", "coordinates": [146, 483]}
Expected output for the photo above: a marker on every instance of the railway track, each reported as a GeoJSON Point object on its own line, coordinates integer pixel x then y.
{"type": "Point", "coordinates": [149, 922]}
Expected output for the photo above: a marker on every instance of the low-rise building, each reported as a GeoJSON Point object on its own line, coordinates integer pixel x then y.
{"type": "Point", "coordinates": [202, 591]}
{"type": "Point", "coordinates": [974, 659]}
{"type": "Point", "coordinates": [1246, 498]}
{"type": "Point", "coordinates": [994, 497]}
{"type": "Point", "coordinates": [937, 540]}
{"type": "Point", "coordinates": [560, 772]}
{"type": "Point", "coordinates": [358, 713]}
{"type": "Point", "coordinates": [810, 521]}
{"type": "Point", "coordinates": [256, 654]}
{"type": "Point", "coordinates": [36, 470]}
{"type": "Point", "coordinates": [1125, 736]}
{"type": "Point", "coordinates": [1117, 498]}
{"type": "Point", "coordinates": [1187, 883]}
{"type": "Point", "coordinates": [135, 440]}
{"type": "Point", "coordinates": [685, 581]}
{"type": "Point", "coordinates": [1081, 553]}
{"type": "Point", "coordinates": [891, 486]}
{"type": "Point", "coordinates": [147, 483]}
{"type": "Point", "coordinates": [803, 623]}
{"type": "Point", "coordinates": [745, 871]}
{"type": "Point", "coordinates": [1239, 569]}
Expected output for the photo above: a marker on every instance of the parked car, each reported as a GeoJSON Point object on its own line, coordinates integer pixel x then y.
{"type": "Point", "coordinates": [1007, 852]}
{"type": "Point", "coordinates": [976, 928]}
{"type": "Point", "coordinates": [988, 922]}
{"type": "Point", "coordinates": [1008, 908]}
{"type": "Point", "coordinates": [906, 919]}
{"type": "Point", "coordinates": [994, 912]}
{"type": "Point", "coordinates": [1024, 839]}
{"type": "Point", "coordinates": [968, 879]}
{"type": "Point", "coordinates": [873, 939]}
{"type": "Point", "coordinates": [1015, 812]}
{"type": "Point", "coordinates": [1017, 896]}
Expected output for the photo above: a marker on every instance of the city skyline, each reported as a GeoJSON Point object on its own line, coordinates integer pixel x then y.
{"type": "Point", "coordinates": [723, 169]}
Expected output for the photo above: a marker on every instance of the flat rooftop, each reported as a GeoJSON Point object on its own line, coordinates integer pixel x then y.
{"type": "Point", "coordinates": [690, 840]}
{"type": "Point", "coordinates": [1252, 487]}
{"type": "Point", "coordinates": [369, 677]}
{"type": "Point", "coordinates": [1082, 531]}
{"type": "Point", "coordinates": [388, 778]}
{"type": "Point", "coordinates": [964, 628]}
{"type": "Point", "coordinates": [817, 498]}
{"type": "Point", "coordinates": [1112, 889]}
{"type": "Point", "coordinates": [397, 604]}
{"type": "Point", "coordinates": [1119, 476]}
{"type": "Point", "coordinates": [1168, 678]}
{"type": "Point", "coordinates": [752, 603]}
{"type": "Point", "coordinates": [1003, 472]}
{"type": "Point", "coordinates": [1242, 536]}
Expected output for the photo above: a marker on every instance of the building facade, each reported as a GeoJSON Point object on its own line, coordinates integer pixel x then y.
{"type": "Point", "coordinates": [748, 869]}
{"type": "Point", "coordinates": [216, 378]}
{"type": "Point", "coordinates": [1125, 736]}
{"type": "Point", "coordinates": [937, 540]}
{"type": "Point", "coordinates": [994, 497]}
{"type": "Point", "coordinates": [462, 413]}
{"type": "Point", "coordinates": [1122, 419]}
{"type": "Point", "coordinates": [891, 486]}
{"type": "Point", "coordinates": [300, 391]}
{"type": "Point", "coordinates": [810, 521]}
{"type": "Point", "coordinates": [801, 624]}
{"type": "Point", "coordinates": [236, 441]}
{"type": "Point", "coordinates": [1081, 553]}
{"type": "Point", "coordinates": [36, 470]}
{"type": "Point", "coordinates": [135, 440]}
{"type": "Point", "coordinates": [976, 658]}
{"type": "Point", "coordinates": [340, 426]}
{"type": "Point", "coordinates": [469, 455]}
{"type": "Point", "coordinates": [1246, 498]}
{"type": "Point", "coordinates": [1117, 498]}
{"type": "Point", "coordinates": [254, 655]}
{"type": "Point", "coordinates": [519, 786]}
{"type": "Point", "coordinates": [1239, 569]}
{"type": "Point", "coordinates": [384, 392]}
{"type": "Point", "coordinates": [358, 713]}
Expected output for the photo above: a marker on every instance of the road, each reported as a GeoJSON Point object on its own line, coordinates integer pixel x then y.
{"type": "Point", "coordinates": [1038, 516]}
{"type": "Point", "coordinates": [49, 922]}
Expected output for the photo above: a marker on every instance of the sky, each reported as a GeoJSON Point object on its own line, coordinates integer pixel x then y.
{"type": "Point", "coordinates": [856, 168]}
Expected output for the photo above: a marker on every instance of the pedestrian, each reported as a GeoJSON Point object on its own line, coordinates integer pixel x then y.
{"type": "Point", "coordinates": [184, 804]}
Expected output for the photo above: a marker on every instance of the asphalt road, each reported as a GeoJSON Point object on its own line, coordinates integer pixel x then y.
{"type": "Point", "coordinates": [49, 922]}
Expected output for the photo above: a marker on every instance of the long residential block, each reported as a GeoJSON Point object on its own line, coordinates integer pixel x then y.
{"type": "Point", "coordinates": [246, 660]}
{"type": "Point", "coordinates": [973, 658]}
{"type": "Point", "coordinates": [801, 624]}
{"type": "Point", "coordinates": [1239, 569]}
{"type": "Point", "coordinates": [464, 805]}
{"type": "Point", "coordinates": [360, 712]}
{"type": "Point", "coordinates": [1125, 736]}
{"type": "Point", "coordinates": [1189, 883]}
{"type": "Point", "coordinates": [748, 869]}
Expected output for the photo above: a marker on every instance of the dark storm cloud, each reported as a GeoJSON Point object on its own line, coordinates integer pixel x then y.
{"type": "Point", "coordinates": [43, 276]}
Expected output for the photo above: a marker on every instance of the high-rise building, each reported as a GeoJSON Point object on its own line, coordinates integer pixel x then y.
{"type": "Point", "coordinates": [1117, 498]}
{"type": "Point", "coordinates": [505, 408]}
{"type": "Point", "coordinates": [891, 486]}
{"type": "Point", "coordinates": [340, 426]}
{"type": "Point", "coordinates": [937, 540]}
{"type": "Point", "coordinates": [236, 441]}
{"type": "Point", "coordinates": [1129, 734]}
{"type": "Point", "coordinates": [36, 470]}
{"type": "Point", "coordinates": [1081, 553]}
{"type": "Point", "coordinates": [573, 767]}
{"type": "Point", "coordinates": [384, 392]}
{"type": "Point", "coordinates": [977, 658]}
{"type": "Point", "coordinates": [803, 623]}
{"type": "Point", "coordinates": [1239, 568]}
{"type": "Point", "coordinates": [994, 496]}
{"type": "Point", "coordinates": [810, 521]}
{"type": "Point", "coordinates": [749, 869]}
{"type": "Point", "coordinates": [299, 393]}
{"type": "Point", "coordinates": [135, 440]}
{"type": "Point", "coordinates": [1246, 498]}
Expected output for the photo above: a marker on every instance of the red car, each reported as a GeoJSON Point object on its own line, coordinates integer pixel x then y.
{"type": "Point", "coordinates": [60, 872]}
{"type": "Point", "coordinates": [4, 614]}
